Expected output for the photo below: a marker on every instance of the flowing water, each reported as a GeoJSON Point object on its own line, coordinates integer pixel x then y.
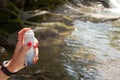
{"type": "Point", "coordinates": [113, 11]}
{"type": "Point", "coordinates": [114, 7]}
{"type": "Point", "coordinates": [92, 51]}
{"type": "Point", "coordinates": [114, 3]}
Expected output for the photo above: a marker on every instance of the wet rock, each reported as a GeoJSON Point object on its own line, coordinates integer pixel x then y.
{"type": "Point", "coordinates": [115, 22]}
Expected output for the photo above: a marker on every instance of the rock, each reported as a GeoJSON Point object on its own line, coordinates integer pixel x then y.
{"type": "Point", "coordinates": [115, 23]}
{"type": "Point", "coordinates": [2, 50]}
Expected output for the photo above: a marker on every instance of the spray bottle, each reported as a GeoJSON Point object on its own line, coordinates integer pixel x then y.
{"type": "Point", "coordinates": [29, 37]}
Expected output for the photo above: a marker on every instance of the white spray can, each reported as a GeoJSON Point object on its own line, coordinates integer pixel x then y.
{"type": "Point", "coordinates": [29, 37]}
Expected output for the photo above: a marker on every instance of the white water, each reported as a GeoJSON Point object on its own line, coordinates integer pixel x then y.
{"type": "Point", "coordinates": [114, 9]}
{"type": "Point", "coordinates": [114, 4]}
{"type": "Point", "coordinates": [99, 42]}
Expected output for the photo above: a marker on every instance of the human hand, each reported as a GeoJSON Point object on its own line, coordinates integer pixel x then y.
{"type": "Point", "coordinates": [18, 58]}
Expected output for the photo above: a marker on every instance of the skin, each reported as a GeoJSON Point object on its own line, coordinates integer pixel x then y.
{"type": "Point", "coordinates": [17, 61]}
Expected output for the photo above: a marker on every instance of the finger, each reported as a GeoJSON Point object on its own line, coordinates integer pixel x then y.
{"type": "Point", "coordinates": [25, 48]}
{"type": "Point", "coordinates": [36, 44]}
{"type": "Point", "coordinates": [35, 58]}
{"type": "Point", "coordinates": [21, 35]}
{"type": "Point", "coordinates": [20, 55]}
{"type": "Point", "coordinates": [36, 53]}
{"type": "Point", "coordinates": [20, 42]}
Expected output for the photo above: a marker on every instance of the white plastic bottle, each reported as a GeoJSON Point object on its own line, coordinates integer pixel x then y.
{"type": "Point", "coordinates": [29, 37]}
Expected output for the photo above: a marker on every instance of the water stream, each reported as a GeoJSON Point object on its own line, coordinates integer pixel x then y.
{"type": "Point", "coordinates": [114, 3]}
{"type": "Point", "coordinates": [114, 9]}
{"type": "Point", "coordinates": [92, 51]}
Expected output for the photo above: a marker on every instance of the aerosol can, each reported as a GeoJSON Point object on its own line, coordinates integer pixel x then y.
{"type": "Point", "coordinates": [29, 37]}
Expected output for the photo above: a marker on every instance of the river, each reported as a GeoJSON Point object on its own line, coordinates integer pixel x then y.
{"type": "Point", "coordinates": [92, 51]}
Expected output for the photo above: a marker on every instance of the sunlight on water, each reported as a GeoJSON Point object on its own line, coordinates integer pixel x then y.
{"type": "Point", "coordinates": [92, 51]}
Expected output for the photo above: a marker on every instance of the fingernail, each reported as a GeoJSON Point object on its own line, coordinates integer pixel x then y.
{"type": "Point", "coordinates": [29, 44]}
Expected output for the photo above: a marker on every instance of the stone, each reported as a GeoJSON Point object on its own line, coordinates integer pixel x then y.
{"type": "Point", "coordinates": [2, 50]}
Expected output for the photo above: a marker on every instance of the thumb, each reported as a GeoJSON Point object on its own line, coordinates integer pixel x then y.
{"type": "Point", "coordinates": [25, 48]}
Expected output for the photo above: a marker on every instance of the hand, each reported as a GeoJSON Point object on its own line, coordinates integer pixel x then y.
{"type": "Point", "coordinates": [18, 58]}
